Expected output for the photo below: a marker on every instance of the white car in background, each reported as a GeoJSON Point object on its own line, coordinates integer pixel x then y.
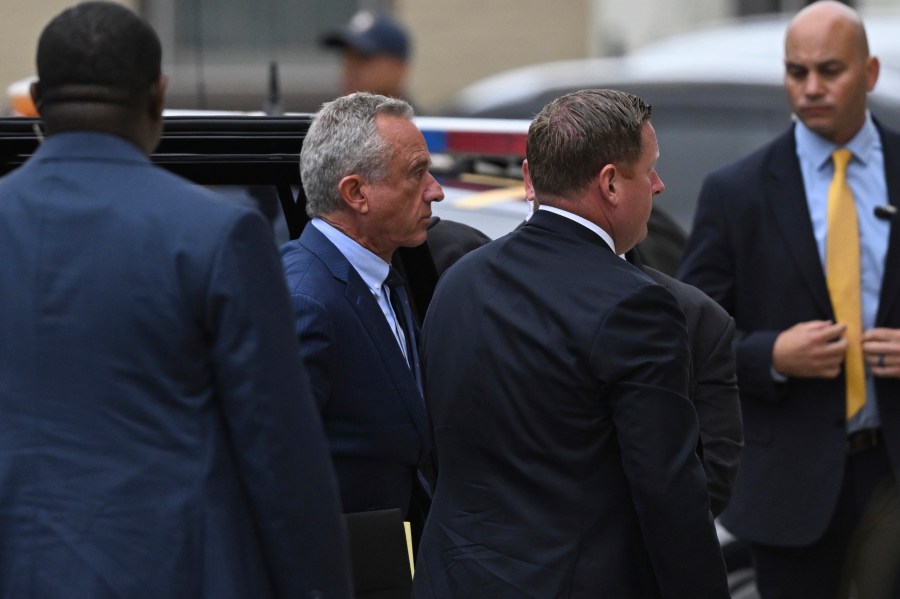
{"type": "Point", "coordinates": [717, 94]}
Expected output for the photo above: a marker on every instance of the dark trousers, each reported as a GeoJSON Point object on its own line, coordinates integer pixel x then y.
{"type": "Point", "coordinates": [858, 556]}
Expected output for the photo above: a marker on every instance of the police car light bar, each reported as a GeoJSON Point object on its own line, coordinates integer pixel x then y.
{"type": "Point", "coordinates": [483, 137]}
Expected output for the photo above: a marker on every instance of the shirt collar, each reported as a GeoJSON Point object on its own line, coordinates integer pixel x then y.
{"type": "Point", "coordinates": [819, 150]}
{"type": "Point", "coordinates": [370, 267]}
{"type": "Point", "coordinates": [581, 221]}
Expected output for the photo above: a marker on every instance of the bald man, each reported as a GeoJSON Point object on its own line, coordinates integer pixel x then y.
{"type": "Point", "coordinates": [818, 369]}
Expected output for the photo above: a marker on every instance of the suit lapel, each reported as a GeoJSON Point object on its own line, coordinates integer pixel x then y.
{"type": "Point", "coordinates": [890, 284]}
{"type": "Point", "coordinates": [372, 318]}
{"type": "Point", "coordinates": [787, 199]}
{"type": "Point", "coordinates": [373, 321]}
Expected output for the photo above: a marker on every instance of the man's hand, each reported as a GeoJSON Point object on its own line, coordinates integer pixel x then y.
{"type": "Point", "coordinates": [813, 349]}
{"type": "Point", "coordinates": [881, 348]}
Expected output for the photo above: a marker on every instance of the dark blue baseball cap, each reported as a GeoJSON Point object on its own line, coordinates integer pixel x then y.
{"type": "Point", "coordinates": [371, 34]}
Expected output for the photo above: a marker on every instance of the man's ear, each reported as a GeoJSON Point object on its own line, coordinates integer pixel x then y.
{"type": "Point", "coordinates": [526, 177]}
{"type": "Point", "coordinates": [158, 96]}
{"type": "Point", "coordinates": [607, 182]}
{"type": "Point", "coordinates": [35, 91]}
{"type": "Point", "coordinates": [354, 193]}
{"type": "Point", "coordinates": [873, 66]}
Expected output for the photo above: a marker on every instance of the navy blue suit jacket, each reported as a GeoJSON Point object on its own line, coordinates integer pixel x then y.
{"type": "Point", "coordinates": [557, 382]}
{"type": "Point", "coordinates": [752, 249]}
{"type": "Point", "coordinates": [157, 433]}
{"type": "Point", "coordinates": [373, 411]}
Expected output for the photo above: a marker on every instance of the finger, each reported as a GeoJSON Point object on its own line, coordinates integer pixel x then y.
{"type": "Point", "coordinates": [876, 360]}
{"type": "Point", "coordinates": [835, 347]}
{"type": "Point", "coordinates": [830, 332]}
{"type": "Point", "coordinates": [884, 365]}
{"type": "Point", "coordinates": [816, 324]}
{"type": "Point", "coordinates": [874, 345]}
{"type": "Point", "coordinates": [882, 334]}
{"type": "Point", "coordinates": [882, 347]}
{"type": "Point", "coordinates": [828, 371]}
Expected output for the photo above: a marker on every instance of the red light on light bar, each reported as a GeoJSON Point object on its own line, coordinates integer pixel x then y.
{"type": "Point", "coordinates": [490, 144]}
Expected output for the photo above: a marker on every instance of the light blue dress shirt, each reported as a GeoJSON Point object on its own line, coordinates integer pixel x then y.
{"type": "Point", "coordinates": [371, 268]}
{"type": "Point", "coordinates": [865, 174]}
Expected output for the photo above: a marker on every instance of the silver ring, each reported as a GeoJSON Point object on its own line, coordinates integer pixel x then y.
{"type": "Point", "coordinates": [881, 361]}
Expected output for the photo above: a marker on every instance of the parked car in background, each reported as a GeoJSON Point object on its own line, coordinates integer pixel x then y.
{"type": "Point", "coordinates": [716, 93]}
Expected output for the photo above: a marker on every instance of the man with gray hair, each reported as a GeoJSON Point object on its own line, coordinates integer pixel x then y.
{"type": "Point", "coordinates": [365, 171]}
{"type": "Point", "coordinates": [557, 383]}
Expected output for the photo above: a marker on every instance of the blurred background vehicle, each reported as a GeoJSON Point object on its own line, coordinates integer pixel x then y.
{"type": "Point", "coordinates": [218, 53]}
{"type": "Point", "coordinates": [717, 94]}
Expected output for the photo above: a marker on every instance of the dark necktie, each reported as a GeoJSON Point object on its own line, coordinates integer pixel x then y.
{"type": "Point", "coordinates": [403, 313]}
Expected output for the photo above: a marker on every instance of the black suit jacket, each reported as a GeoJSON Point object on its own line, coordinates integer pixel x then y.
{"type": "Point", "coordinates": [752, 249]}
{"type": "Point", "coordinates": [557, 380]}
{"type": "Point", "coordinates": [713, 387]}
{"type": "Point", "coordinates": [450, 240]}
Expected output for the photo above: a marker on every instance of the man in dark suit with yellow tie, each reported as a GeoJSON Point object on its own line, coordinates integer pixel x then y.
{"type": "Point", "coordinates": [791, 241]}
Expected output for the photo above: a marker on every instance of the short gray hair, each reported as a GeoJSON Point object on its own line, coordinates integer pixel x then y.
{"type": "Point", "coordinates": [342, 141]}
{"type": "Point", "coordinates": [576, 135]}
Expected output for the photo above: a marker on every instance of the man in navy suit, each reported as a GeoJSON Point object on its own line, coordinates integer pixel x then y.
{"type": "Point", "coordinates": [365, 171]}
{"type": "Point", "coordinates": [157, 433]}
{"type": "Point", "coordinates": [557, 383]}
{"type": "Point", "coordinates": [816, 493]}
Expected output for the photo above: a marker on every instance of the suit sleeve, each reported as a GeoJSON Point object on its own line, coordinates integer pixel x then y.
{"type": "Point", "coordinates": [316, 344]}
{"type": "Point", "coordinates": [645, 345]}
{"type": "Point", "coordinates": [271, 418]}
{"type": "Point", "coordinates": [717, 401]}
{"type": "Point", "coordinates": [710, 263]}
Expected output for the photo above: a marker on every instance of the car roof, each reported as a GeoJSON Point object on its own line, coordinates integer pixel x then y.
{"type": "Point", "coordinates": [761, 38]}
{"type": "Point", "coordinates": [717, 94]}
{"type": "Point", "coordinates": [745, 55]}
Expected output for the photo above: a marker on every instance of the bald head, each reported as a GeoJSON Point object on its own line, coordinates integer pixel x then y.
{"type": "Point", "coordinates": [829, 17]}
{"type": "Point", "coordinates": [828, 70]}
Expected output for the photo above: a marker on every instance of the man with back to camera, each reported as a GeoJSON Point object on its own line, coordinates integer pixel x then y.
{"type": "Point", "coordinates": [713, 382]}
{"type": "Point", "coordinates": [365, 171]}
{"type": "Point", "coordinates": [557, 381]}
{"type": "Point", "coordinates": [157, 433]}
{"type": "Point", "coordinates": [790, 242]}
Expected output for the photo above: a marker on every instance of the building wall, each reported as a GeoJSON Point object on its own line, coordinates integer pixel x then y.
{"type": "Point", "coordinates": [456, 41]}
{"type": "Point", "coordinates": [23, 21]}
{"type": "Point", "coordinates": [460, 41]}
{"type": "Point", "coordinates": [621, 26]}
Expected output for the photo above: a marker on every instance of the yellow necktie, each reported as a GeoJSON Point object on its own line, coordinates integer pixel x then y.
{"type": "Point", "coordinates": [843, 275]}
